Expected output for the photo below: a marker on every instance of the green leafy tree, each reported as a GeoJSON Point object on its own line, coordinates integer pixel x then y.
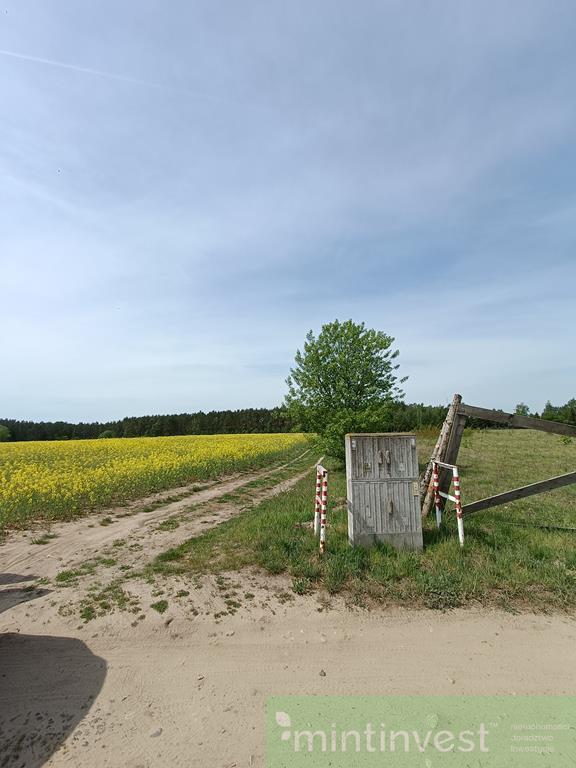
{"type": "Point", "coordinates": [343, 380]}
{"type": "Point", "coordinates": [108, 433]}
{"type": "Point", "coordinates": [522, 410]}
{"type": "Point", "coordinates": [565, 413]}
{"type": "Point", "coordinates": [4, 434]}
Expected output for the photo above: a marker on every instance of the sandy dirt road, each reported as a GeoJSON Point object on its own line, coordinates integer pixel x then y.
{"type": "Point", "coordinates": [194, 693]}
{"type": "Point", "coordinates": [186, 689]}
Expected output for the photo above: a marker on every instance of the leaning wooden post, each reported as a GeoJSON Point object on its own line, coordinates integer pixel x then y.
{"type": "Point", "coordinates": [452, 451]}
{"type": "Point", "coordinates": [439, 454]}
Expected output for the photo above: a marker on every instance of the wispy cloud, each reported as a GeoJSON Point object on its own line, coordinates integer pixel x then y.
{"type": "Point", "coordinates": [77, 68]}
{"type": "Point", "coordinates": [196, 92]}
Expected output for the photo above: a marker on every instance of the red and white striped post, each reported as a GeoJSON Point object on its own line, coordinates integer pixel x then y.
{"type": "Point", "coordinates": [458, 502]}
{"type": "Point", "coordinates": [321, 505]}
{"type": "Point", "coordinates": [437, 499]}
{"type": "Point", "coordinates": [318, 504]}
{"type": "Point", "coordinates": [457, 498]}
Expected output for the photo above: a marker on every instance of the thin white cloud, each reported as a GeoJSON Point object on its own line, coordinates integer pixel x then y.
{"type": "Point", "coordinates": [204, 94]}
{"type": "Point", "coordinates": [76, 68]}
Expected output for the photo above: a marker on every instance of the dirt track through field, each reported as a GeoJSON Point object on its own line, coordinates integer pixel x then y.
{"type": "Point", "coordinates": [188, 687]}
{"type": "Point", "coordinates": [82, 540]}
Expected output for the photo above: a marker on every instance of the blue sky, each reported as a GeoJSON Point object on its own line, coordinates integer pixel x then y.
{"type": "Point", "coordinates": [187, 187]}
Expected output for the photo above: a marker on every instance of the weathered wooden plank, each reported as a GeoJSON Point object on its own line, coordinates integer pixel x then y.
{"type": "Point", "coordinates": [519, 493]}
{"type": "Point", "coordinates": [514, 420]}
{"type": "Point", "coordinates": [438, 453]}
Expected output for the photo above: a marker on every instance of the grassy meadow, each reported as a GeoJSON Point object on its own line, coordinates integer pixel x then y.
{"type": "Point", "coordinates": [507, 561]}
{"type": "Point", "coordinates": [58, 480]}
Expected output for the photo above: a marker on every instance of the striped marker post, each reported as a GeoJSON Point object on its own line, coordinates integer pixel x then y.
{"type": "Point", "coordinates": [318, 504]}
{"type": "Point", "coordinates": [439, 495]}
{"type": "Point", "coordinates": [458, 502]}
{"type": "Point", "coordinates": [437, 499]}
{"type": "Point", "coordinates": [321, 506]}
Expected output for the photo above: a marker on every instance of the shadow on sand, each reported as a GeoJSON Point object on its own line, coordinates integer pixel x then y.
{"type": "Point", "coordinates": [47, 686]}
{"type": "Point", "coordinates": [13, 596]}
{"type": "Point", "coordinates": [14, 578]}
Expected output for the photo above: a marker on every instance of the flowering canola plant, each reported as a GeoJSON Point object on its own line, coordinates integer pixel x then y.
{"type": "Point", "coordinates": [57, 480]}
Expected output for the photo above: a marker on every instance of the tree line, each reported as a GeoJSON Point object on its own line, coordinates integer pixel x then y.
{"type": "Point", "coordinates": [245, 420]}
{"type": "Point", "coordinates": [401, 417]}
{"type": "Point", "coordinates": [396, 417]}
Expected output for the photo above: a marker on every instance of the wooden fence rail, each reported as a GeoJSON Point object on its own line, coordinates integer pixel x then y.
{"type": "Point", "coordinates": [514, 420]}
{"type": "Point", "coordinates": [519, 493]}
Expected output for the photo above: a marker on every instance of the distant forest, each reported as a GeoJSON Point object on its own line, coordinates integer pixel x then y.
{"type": "Point", "coordinates": [247, 420]}
{"type": "Point", "coordinates": [402, 418]}
{"type": "Point", "coordinates": [214, 422]}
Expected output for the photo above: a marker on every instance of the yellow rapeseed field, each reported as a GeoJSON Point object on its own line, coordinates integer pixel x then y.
{"type": "Point", "coordinates": [57, 480]}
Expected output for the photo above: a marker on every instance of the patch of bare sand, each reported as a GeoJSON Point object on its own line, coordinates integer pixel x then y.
{"type": "Point", "coordinates": [184, 688]}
